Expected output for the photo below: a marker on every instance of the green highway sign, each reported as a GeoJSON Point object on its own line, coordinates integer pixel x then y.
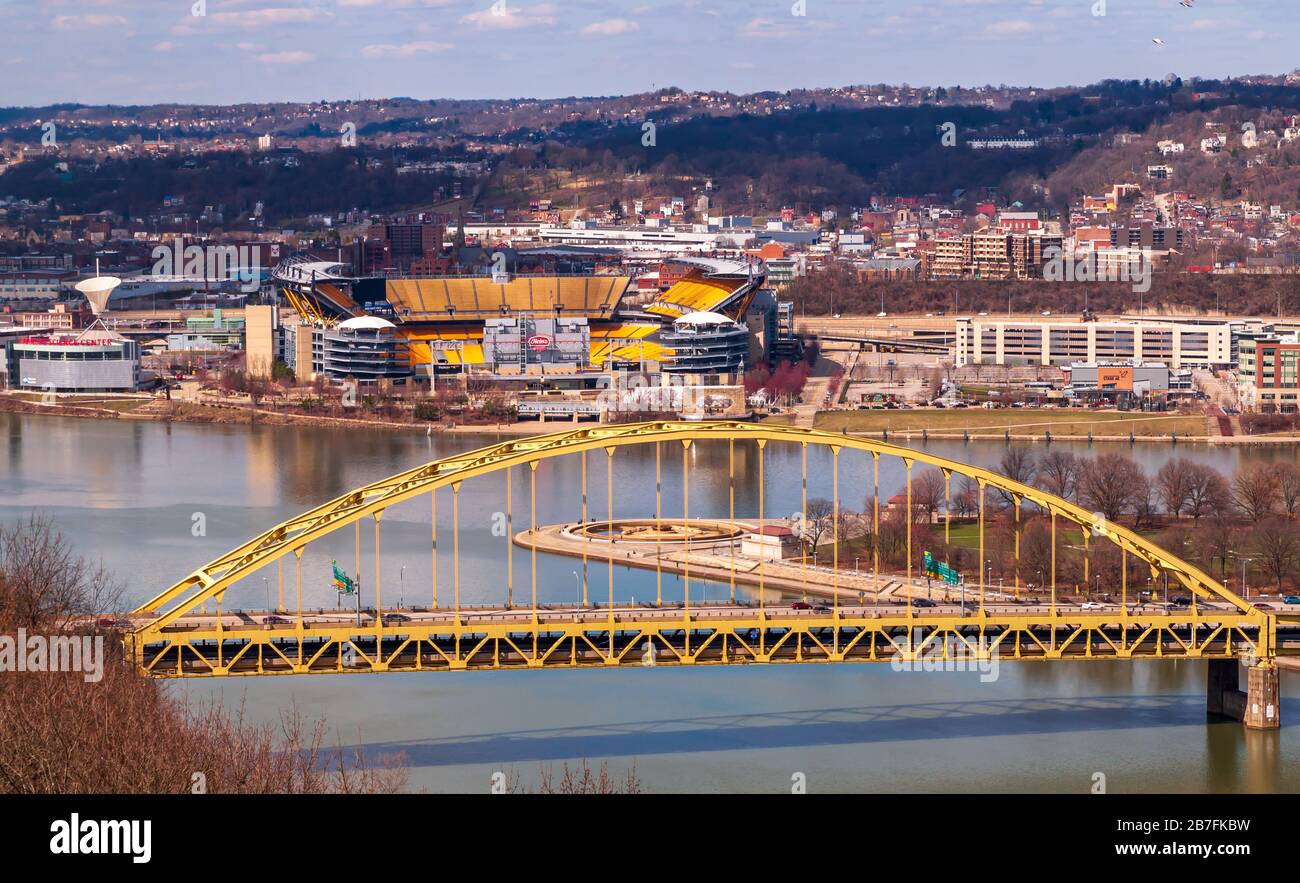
{"type": "Point", "coordinates": [939, 570]}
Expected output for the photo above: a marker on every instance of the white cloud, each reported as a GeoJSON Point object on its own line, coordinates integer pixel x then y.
{"type": "Point", "coordinates": [404, 50]}
{"type": "Point", "coordinates": [251, 19]}
{"type": "Point", "coordinates": [760, 27]}
{"type": "Point", "coordinates": [85, 22]}
{"type": "Point", "coordinates": [394, 4]}
{"type": "Point", "coordinates": [510, 17]}
{"type": "Point", "coordinates": [1011, 27]}
{"type": "Point", "coordinates": [611, 27]}
{"type": "Point", "coordinates": [164, 46]}
{"type": "Point", "coordinates": [290, 57]}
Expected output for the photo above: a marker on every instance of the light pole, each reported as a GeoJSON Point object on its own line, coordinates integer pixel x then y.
{"type": "Point", "coordinates": [267, 587]}
{"type": "Point", "coordinates": [1245, 589]}
{"type": "Point", "coordinates": [577, 589]}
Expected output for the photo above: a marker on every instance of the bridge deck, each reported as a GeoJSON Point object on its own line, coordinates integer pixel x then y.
{"type": "Point", "coordinates": [497, 638]}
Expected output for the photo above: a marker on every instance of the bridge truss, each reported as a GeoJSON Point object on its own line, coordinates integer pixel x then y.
{"type": "Point", "coordinates": [176, 637]}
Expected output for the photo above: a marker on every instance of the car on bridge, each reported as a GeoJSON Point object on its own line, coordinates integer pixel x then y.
{"type": "Point", "coordinates": [1291, 599]}
{"type": "Point", "coordinates": [1091, 605]}
{"type": "Point", "coordinates": [923, 602]}
{"type": "Point", "coordinates": [801, 605]}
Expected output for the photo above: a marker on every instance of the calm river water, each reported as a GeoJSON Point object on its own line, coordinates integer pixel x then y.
{"type": "Point", "coordinates": [131, 494]}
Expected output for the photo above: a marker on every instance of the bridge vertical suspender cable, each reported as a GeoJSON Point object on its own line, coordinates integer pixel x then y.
{"type": "Point", "coordinates": [433, 553]}
{"type": "Point", "coordinates": [908, 519]}
{"type": "Point", "coordinates": [455, 557]}
{"type": "Point", "coordinates": [686, 524]}
{"type": "Point", "coordinates": [982, 567]}
{"type": "Point", "coordinates": [731, 511]}
{"type": "Point", "coordinates": [1053, 562]}
{"type": "Point", "coordinates": [835, 536]}
{"type": "Point", "coordinates": [1087, 555]}
{"type": "Point", "coordinates": [379, 609]}
{"type": "Point", "coordinates": [762, 570]}
{"type": "Point", "coordinates": [947, 514]}
{"type": "Point", "coordinates": [609, 514]}
{"type": "Point", "coordinates": [659, 557]}
{"type": "Point", "coordinates": [586, 534]}
{"type": "Point", "coordinates": [875, 522]}
{"type": "Point", "coordinates": [532, 544]}
{"type": "Point", "coordinates": [297, 581]}
{"type": "Point", "coordinates": [803, 524]}
{"type": "Point", "coordinates": [1016, 531]}
{"type": "Point", "coordinates": [510, 542]}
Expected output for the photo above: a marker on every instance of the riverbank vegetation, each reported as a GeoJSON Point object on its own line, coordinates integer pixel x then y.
{"type": "Point", "coordinates": [1018, 421]}
{"type": "Point", "coordinates": [113, 731]}
{"type": "Point", "coordinates": [1221, 523]}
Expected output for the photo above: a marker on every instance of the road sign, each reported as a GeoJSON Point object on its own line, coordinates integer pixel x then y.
{"type": "Point", "coordinates": [939, 570]}
{"type": "Point", "coordinates": [342, 582]}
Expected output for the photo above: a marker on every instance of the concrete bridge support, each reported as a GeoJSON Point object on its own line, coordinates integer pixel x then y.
{"type": "Point", "coordinates": [1257, 707]}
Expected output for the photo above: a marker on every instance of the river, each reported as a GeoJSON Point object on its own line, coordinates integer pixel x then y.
{"type": "Point", "coordinates": [153, 501]}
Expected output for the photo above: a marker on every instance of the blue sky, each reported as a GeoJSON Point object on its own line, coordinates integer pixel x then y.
{"type": "Point", "coordinates": [152, 51]}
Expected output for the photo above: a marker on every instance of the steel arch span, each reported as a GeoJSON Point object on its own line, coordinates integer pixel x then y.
{"type": "Point", "coordinates": [173, 639]}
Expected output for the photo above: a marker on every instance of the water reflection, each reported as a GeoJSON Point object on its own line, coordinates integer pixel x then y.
{"type": "Point", "coordinates": [127, 493]}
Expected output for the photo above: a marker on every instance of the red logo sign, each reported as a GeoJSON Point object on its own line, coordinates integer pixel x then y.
{"type": "Point", "coordinates": [539, 342]}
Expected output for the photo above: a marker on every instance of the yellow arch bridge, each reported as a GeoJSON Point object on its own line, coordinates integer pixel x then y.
{"type": "Point", "coordinates": [852, 618]}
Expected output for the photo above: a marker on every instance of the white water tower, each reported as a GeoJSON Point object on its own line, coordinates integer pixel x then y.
{"type": "Point", "coordinates": [97, 290]}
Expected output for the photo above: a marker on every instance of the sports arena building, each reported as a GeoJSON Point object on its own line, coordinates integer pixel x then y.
{"type": "Point", "coordinates": [516, 320]}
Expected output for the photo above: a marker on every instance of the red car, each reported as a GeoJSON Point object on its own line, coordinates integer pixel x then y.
{"type": "Point", "coordinates": [801, 605]}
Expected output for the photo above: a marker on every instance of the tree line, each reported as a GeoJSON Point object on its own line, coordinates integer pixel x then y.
{"type": "Point", "coordinates": [1217, 521]}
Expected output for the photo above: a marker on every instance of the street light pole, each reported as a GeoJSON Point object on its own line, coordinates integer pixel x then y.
{"type": "Point", "coordinates": [577, 588]}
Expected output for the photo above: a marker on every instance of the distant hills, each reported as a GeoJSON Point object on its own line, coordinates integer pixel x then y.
{"type": "Point", "coordinates": [811, 150]}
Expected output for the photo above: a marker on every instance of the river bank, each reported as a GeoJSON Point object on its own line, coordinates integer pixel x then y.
{"type": "Point", "coordinates": [234, 414]}
{"type": "Point", "coordinates": [237, 414]}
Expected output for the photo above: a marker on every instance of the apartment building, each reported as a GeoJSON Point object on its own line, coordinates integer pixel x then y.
{"type": "Point", "coordinates": [1268, 374]}
{"type": "Point", "coordinates": [991, 254]}
{"type": "Point", "coordinates": [989, 341]}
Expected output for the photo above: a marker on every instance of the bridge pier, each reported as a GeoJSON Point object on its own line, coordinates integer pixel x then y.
{"type": "Point", "coordinates": [1257, 707]}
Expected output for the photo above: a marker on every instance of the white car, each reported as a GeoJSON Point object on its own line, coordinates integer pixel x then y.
{"type": "Point", "coordinates": [1091, 605]}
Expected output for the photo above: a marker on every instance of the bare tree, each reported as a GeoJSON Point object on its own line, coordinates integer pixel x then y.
{"type": "Point", "coordinates": [1276, 544]}
{"type": "Point", "coordinates": [1017, 464]}
{"type": "Point", "coordinates": [1110, 484]}
{"type": "Point", "coordinates": [1058, 473]}
{"type": "Point", "coordinates": [1174, 482]}
{"type": "Point", "coordinates": [817, 522]}
{"type": "Point", "coordinates": [928, 492]}
{"type": "Point", "coordinates": [1255, 492]}
{"type": "Point", "coordinates": [61, 733]}
{"type": "Point", "coordinates": [1208, 492]}
{"type": "Point", "coordinates": [1146, 504]}
{"type": "Point", "coordinates": [1288, 486]}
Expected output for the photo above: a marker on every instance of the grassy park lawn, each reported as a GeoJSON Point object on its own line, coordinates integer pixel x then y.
{"type": "Point", "coordinates": [1020, 421]}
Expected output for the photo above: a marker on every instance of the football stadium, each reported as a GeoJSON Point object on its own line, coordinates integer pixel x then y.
{"type": "Point", "coordinates": [706, 325]}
